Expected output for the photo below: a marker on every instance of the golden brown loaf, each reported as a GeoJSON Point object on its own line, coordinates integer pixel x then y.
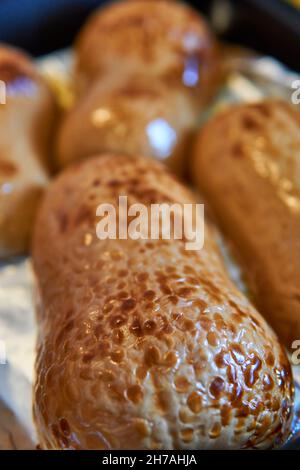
{"type": "Point", "coordinates": [163, 40]}
{"type": "Point", "coordinates": [144, 70]}
{"type": "Point", "coordinates": [247, 163]}
{"type": "Point", "coordinates": [143, 344]}
{"type": "Point", "coordinates": [134, 117]}
{"type": "Point", "coordinates": [26, 121]}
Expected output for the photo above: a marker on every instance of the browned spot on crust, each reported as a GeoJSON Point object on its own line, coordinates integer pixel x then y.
{"type": "Point", "coordinates": [118, 336]}
{"type": "Point", "coordinates": [268, 382]}
{"type": "Point", "coordinates": [88, 357]}
{"type": "Point", "coordinates": [136, 328]}
{"type": "Point", "coordinates": [133, 91]}
{"type": "Point", "coordinates": [263, 108]}
{"type": "Point", "coordinates": [236, 394]}
{"type": "Point", "coordinates": [117, 321]}
{"type": "Point", "coordinates": [142, 428]}
{"type": "Point", "coordinates": [215, 431]}
{"type": "Point", "coordinates": [117, 355]}
{"type": "Point", "coordinates": [96, 182]}
{"type": "Point", "coordinates": [212, 338]}
{"type": "Point", "coordinates": [225, 415]}
{"type": "Point", "coordinates": [114, 183]}
{"type": "Point", "coordinates": [149, 326]}
{"type": "Point", "coordinates": [12, 69]}
{"type": "Point", "coordinates": [238, 150]}
{"type": "Point", "coordinates": [128, 304]}
{"type": "Point", "coordinates": [7, 168]}
{"type": "Point", "coordinates": [142, 277]}
{"type": "Point", "coordinates": [216, 387]}
{"type": "Point", "coordinates": [141, 372]}
{"type": "Point", "coordinates": [135, 393]}
{"type": "Point", "coordinates": [62, 220]}
{"type": "Point", "coordinates": [182, 384]}
{"type": "Point", "coordinates": [152, 356]}
{"type": "Point", "coordinates": [185, 291]}
{"type": "Point", "coordinates": [65, 427]}
{"type": "Point", "coordinates": [250, 123]}
{"type": "Point", "coordinates": [222, 359]}
{"type": "Point", "coordinates": [170, 359]}
{"type": "Point", "coordinates": [187, 434]}
{"type": "Point", "coordinates": [237, 353]}
{"type": "Point", "coordinates": [270, 359]}
{"type": "Point", "coordinates": [149, 295]}
{"type": "Point", "coordinates": [84, 215]}
{"type": "Point", "coordinates": [162, 400]}
{"type": "Point", "coordinates": [251, 370]}
{"type": "Point", "coordinates": [194, 402]}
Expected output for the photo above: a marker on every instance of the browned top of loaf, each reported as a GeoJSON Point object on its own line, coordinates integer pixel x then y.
{"type": "Point", "coordinates": [143, 344]}
{"type": "Point", "coordinates": [156, 38]}
{"type": "Point", "coordinates": [14, 64]}
{"type": "Point", "coordinates": [247, 163]}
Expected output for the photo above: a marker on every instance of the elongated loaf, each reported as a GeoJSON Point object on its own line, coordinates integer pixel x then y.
{"type": "Point", "coordinates": [144, 70]}
{"type": "Point", "coordinates": [26, 124]}
{"type": "Point", "coordinates": [247, 163]}
{"type": "Point", "coordinates": [139, 116]}
{"type": "Point", "coordinates": [143, 344]}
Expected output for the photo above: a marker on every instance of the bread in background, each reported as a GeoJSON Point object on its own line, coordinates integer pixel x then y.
{"type": "Point", "coordinates": [26, 124]}
{"type": "Point", "coordinates": [163, 40]}
{"type": "Point", "coordinates": [247, 164]}
{"type": "Point", "coordinates": [138, 116]}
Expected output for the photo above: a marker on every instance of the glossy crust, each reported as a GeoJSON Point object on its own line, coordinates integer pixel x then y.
{"type": "Point", "coordinates": [26, 121]}
{"type": "Point", "coordinates": [164, 40]}
{"type": "Point", "coordinates": [137, 116]}
{"type": "Point", "coordinates": [246, 162]}
{"type": "Point", "coordinates": [143, 344]}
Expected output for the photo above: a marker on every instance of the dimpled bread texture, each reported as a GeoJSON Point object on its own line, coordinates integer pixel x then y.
{"type": "Point", "coordinates": [26, 122]}
{"type": "Point", "coordinates": [135, 117]}
{"type": "Point", "coordinates": [251, 153]}
{"type": "Point", "coordinates": [166, 40]}
{"type": "Point", "coordinates": [142, 343]}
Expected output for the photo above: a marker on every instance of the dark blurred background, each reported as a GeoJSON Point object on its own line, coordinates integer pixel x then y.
{"type": "Point", "coordinates": [269, 26]}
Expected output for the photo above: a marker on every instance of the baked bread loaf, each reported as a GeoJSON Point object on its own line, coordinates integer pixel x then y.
{"type": "Point", "coordinates": [163, 40]}
{"type": "Point", "coordinates": [143, 71]}
{"type": "Point", "coordinates": [140, 116]}
{"type": "Point", "coordinates": [143, 344]}
{"type": "Point", "coordinates": [247, 163]}
{"type": "Point", "coordinates": [26, 122]}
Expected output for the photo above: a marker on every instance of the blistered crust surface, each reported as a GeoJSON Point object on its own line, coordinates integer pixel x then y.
{"type": "Point", "coordinates": [143, 344]}
{"type": "Point", "coordinates": [250, 153]}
